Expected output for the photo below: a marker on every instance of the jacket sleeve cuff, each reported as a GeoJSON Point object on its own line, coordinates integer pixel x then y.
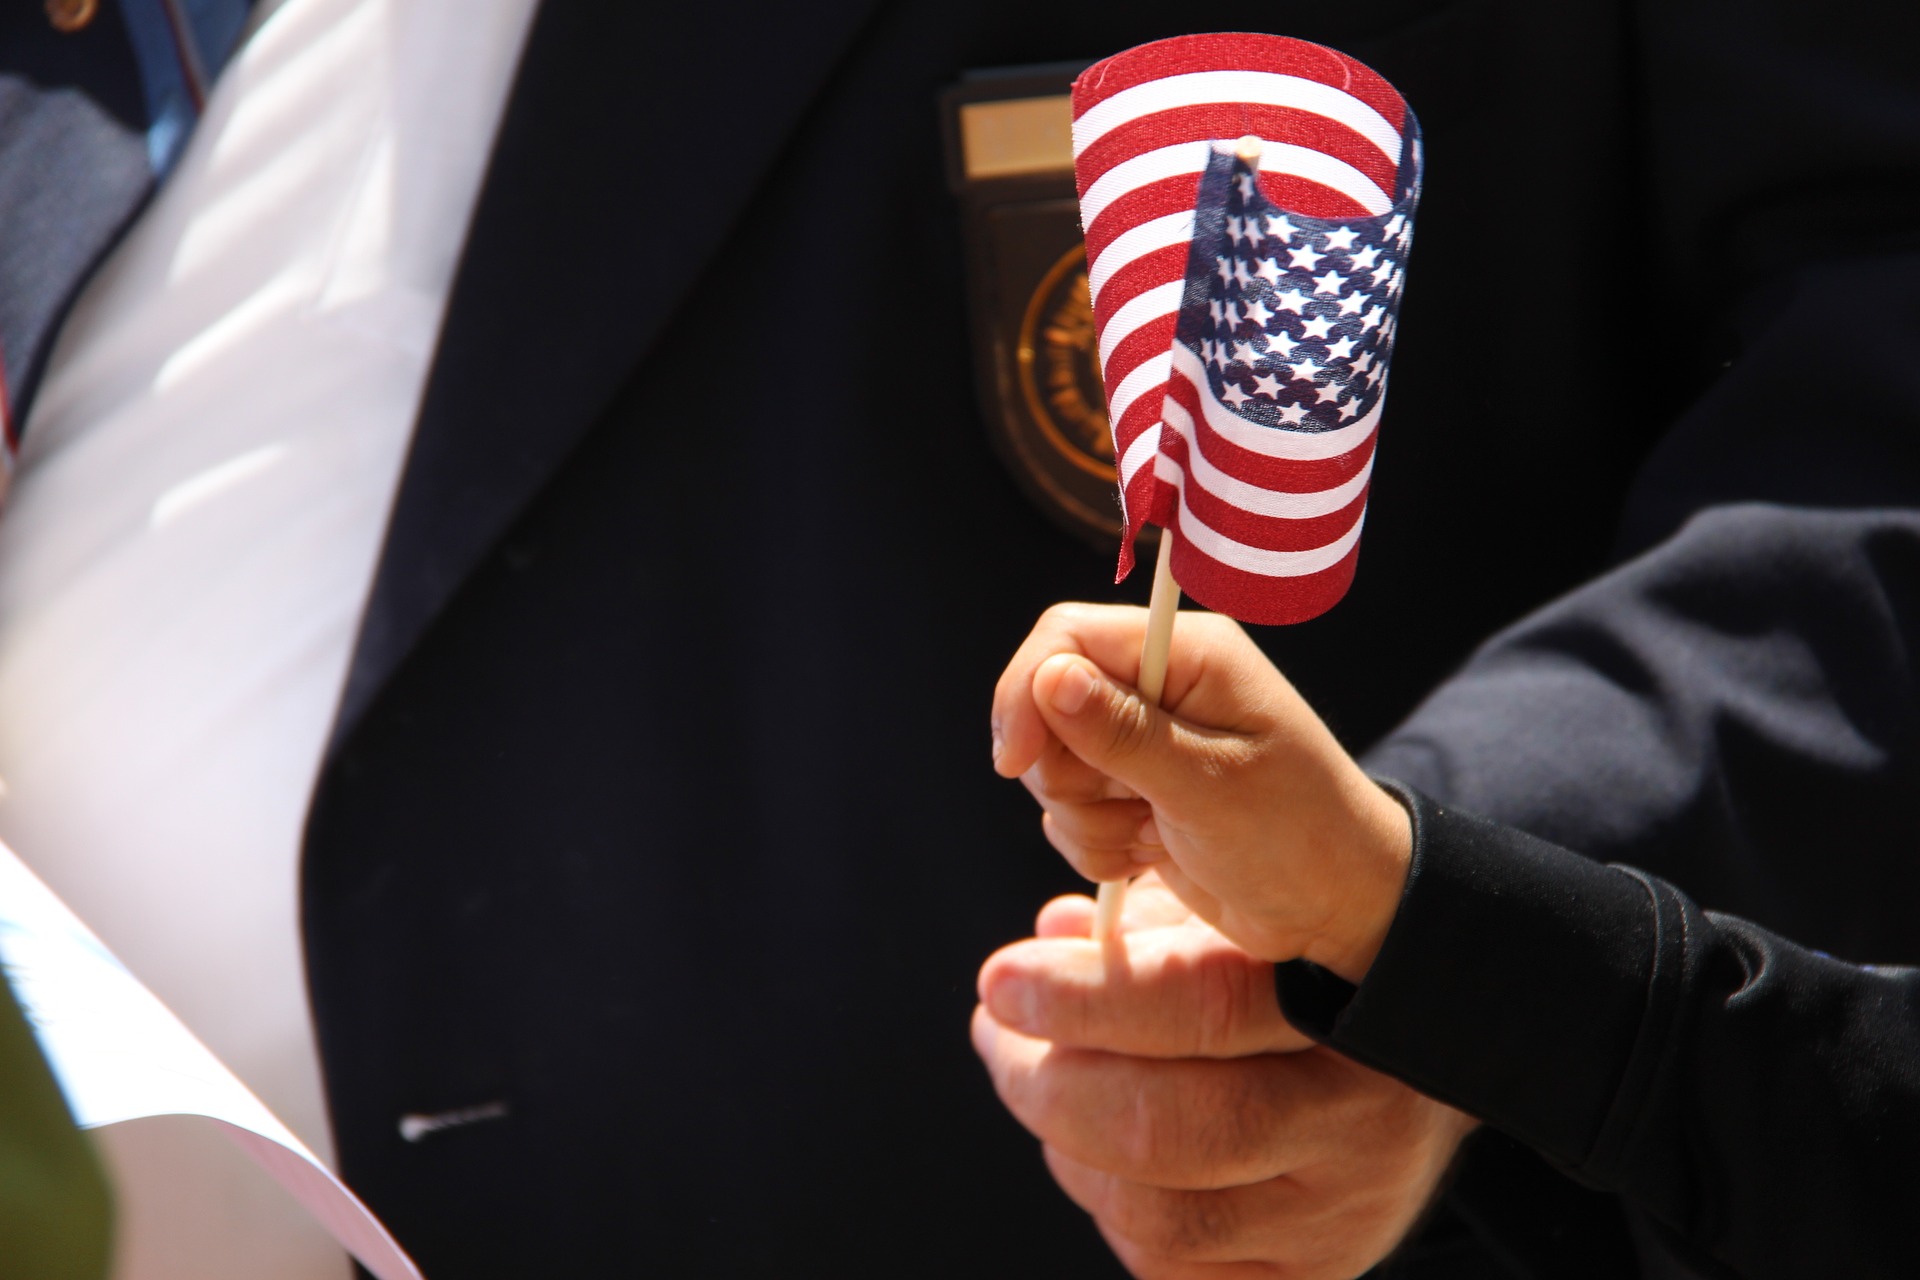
{"type": "Point", "coordinates": [1513, 984]}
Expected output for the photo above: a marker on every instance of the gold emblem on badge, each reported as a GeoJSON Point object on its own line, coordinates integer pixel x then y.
{"type": "Point", "coordinates": [1059, 361]}
{"type": "Point", "coordinates": [71, 15]}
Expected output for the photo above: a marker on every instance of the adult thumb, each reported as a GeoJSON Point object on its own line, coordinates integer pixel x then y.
{"type": "Point", "coordinates": [1107, 725]}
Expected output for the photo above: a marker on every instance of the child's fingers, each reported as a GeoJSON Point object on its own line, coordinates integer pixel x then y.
{"type": "Point", "coordinates": [1101, 840]}
{"type": "Point", "coordinates": [1108, 634]}
{"type": "Point", "coordinates": [1060, 777]}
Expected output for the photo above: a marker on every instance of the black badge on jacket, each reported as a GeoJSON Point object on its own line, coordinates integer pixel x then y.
{"type": "Point", "coordinates": [1036, 357]}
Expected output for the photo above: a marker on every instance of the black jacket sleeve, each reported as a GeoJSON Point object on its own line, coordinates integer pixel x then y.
{"type": "Point", "coordinates": [1732, 711]}
{"type": "Point", "coordinates": [1732, 707]}
{"type": "Point", "coordinates": [1759, 1099]}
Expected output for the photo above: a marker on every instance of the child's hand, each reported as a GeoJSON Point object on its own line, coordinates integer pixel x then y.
{"type": "Point", "coordinates": [1236, 792]}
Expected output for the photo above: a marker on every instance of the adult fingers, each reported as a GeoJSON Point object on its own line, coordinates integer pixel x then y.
{"type": "Point", "coordinates": [1178, 991]}
{"type": "Point", "coordinates": [1192, 1123]}
{"type": "Point", "coordinates": [1068, 916]}
{"type": "Point", "coordinates": [1149, 905]}
{"type": "Point", "coordinates": [1167, 1227]}
{"type": "Point", "coordinates": [1280, 1227]}
{"type": "Point", "coordinates": [1143, 1266]}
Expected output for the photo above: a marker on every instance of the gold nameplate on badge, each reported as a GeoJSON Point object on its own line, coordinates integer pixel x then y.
{"type": "Point", "coordinates": [1010, 160]}
{"type": "Point", "coordinates": [1016, 137]}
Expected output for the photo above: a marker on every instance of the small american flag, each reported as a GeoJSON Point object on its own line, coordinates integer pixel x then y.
{"type": "Point", "coordinates": [1246, 299]}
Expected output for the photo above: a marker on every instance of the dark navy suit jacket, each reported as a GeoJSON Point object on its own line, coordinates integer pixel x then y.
{"type": "Point", "coordinates": [658, 822]}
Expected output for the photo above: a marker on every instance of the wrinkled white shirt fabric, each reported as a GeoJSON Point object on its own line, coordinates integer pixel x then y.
{"type": "Point", "coordinates": [189, 544]}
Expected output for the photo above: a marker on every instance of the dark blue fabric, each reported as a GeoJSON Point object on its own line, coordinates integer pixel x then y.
{"type": "Point", "coordinates": [87, 119]}
{"type": "Point", "coordinates": [73, 171]}
{"type": "Point", "coordinates": [660, 809]}
{"type": "Point", "coordinates": [1696, 1064]}
{"type": "Point", "coordinates": [180, 46]}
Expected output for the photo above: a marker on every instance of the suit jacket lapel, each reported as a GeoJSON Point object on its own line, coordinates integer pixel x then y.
{"type": "Point", "coordinates": [634, 134]}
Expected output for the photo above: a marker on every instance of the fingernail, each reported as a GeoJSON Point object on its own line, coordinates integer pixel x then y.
{"type": "Point", "coordinates": [998, 745]}
{"type": "Point", "coordinates": [1147, 857]}
{"type": "Point", "coordinates": [1149, 833]}
{"type": "Point", "coordinates": [1073, 690]}
{"type": "Point", "coordinates": [1014, 1003]}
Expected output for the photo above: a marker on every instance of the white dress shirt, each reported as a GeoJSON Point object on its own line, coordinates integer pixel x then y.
{"type": "Point", "coordinates": [189, 545]}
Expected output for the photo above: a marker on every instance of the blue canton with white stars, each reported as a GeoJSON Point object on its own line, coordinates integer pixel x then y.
{"type": "Point", "coordinates": [1295, 319]}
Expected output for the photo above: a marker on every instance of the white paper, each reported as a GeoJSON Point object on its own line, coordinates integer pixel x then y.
{"type": "Point", "coordinates": [119, 1054]}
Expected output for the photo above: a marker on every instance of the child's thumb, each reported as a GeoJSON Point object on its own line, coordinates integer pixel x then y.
{"type": "Point", "coordinates": [1109, 725]}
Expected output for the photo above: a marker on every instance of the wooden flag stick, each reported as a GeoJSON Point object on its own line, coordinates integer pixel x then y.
{"type": "Point", "coordinates": [1165, 602]}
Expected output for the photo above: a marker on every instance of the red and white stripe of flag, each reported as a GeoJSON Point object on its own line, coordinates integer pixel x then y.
{"type": "Point", "coordinates": [1251, 505]}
